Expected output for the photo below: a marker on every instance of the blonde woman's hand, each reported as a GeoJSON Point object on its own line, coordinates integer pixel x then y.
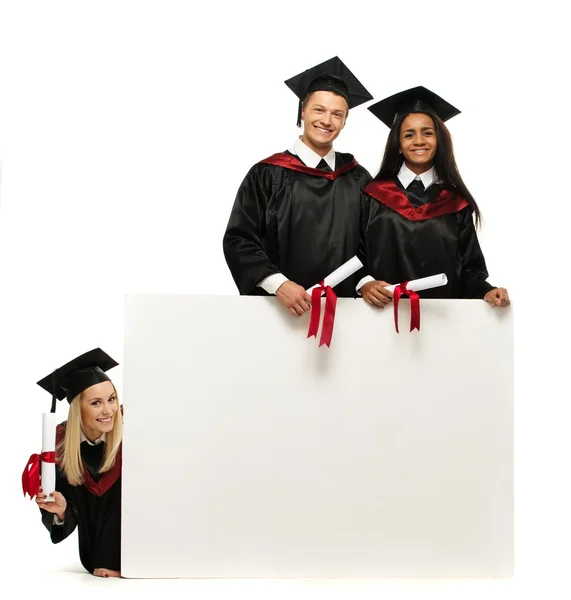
{"type": "Point", "coordinates": [497, 297]}
{"type": "Point", "coordinates": [106, 573]}
{"type": "Point", "coordinates": [57, 507]}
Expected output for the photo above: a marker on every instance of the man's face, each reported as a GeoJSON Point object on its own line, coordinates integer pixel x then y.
{"type": "Point", "coordinates": [324, 115]}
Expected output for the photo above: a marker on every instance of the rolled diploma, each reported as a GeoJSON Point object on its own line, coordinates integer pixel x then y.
{"type": "Point", "coordinates": [48, 470]}
{"type": "Point", "coordinates": [425, 283]}
{"type": "Point", "coordinates": [340, 274]}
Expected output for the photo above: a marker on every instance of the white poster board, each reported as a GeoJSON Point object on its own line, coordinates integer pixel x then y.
{"type": "Point", "coordinates": [251, 452]}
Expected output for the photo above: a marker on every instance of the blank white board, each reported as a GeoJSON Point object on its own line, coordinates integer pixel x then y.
{"type": "Point", "coordinates": [251, 452]}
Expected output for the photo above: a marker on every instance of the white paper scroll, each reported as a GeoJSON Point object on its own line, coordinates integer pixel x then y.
{"type": "Point", "coordinates": [340, 274]}
{"type": "Point", "coordinates": [425, 283]}
{"type": "Point", "coordinates": [48, 472]}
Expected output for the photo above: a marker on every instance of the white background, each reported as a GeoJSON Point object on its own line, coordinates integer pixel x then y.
{"type": "Point", "coordinates": [125, 130]}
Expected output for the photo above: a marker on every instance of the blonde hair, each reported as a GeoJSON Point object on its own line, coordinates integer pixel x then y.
{"type": "Point", "coordinates": [68, 450]}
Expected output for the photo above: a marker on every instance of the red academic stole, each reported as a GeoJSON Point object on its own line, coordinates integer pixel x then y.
{"type": "Point", "coordinates": [389, 194]}
{"type": "Point", "coordinates": [106, 480]}
{"type": "Point", "coordinates": [291, 162]}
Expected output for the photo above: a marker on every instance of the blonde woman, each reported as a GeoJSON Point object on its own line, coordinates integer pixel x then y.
{"type": "Point", "coordinates": [88, 463]}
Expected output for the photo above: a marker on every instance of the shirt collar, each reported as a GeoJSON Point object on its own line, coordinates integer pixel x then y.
{"type": "Point", "coordinates": [406, 177]}
{"type": "Point", "coordinates": [311, 158]}
{"type": "Point", "coordinates": [82, 438]}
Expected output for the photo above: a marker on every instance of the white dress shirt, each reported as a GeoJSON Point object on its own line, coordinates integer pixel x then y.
{"type": "Point", "coordinates": [406, 177]}
{"type": "Point", "coordinates": [100, 439]}
{"type": "Point", "coordinates": [309, 159]}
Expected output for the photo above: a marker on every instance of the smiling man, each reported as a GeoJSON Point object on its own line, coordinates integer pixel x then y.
{"type": "Point", "coordinates": [296, 215]}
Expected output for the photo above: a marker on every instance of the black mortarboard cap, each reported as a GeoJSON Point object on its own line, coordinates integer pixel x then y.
{"type": "Point", "coordinates": [417, 99]}
{"type": "Point", "coordinates": [333, 76]}
{"type": "Point", "coordinates": [77, 375]}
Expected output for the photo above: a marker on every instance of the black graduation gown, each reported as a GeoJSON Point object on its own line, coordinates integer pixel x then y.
{"type": "Point", "coordinates": [294, 220]}
{"type": "Point", "coordinates": [407, 236]}
{"type": "Point", "coordinates": [97, 517]}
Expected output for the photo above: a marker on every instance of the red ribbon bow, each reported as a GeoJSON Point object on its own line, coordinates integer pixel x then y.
{"type": "Point", "coordinates": [414, 306]}
{"type": "Point", "coordinates": [328, 317]}
{"type": "Point", "coordinates": [31, 474]}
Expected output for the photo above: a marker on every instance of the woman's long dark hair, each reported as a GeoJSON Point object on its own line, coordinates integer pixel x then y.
{"type": "Point", "coordinates": [444, 161]}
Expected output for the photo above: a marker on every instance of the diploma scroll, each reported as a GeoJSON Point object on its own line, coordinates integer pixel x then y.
{"type": "Point", "coordinates": [425, 283]}
{"type": "Point", "coordinates": [326, 287]}
{"type": "Point", "coordinates": [340, 274]}
{"type": "Point", "coordinates": [48, 469]}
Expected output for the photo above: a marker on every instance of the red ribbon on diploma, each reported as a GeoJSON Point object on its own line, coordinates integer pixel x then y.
{"type": "Point", "coordinates": [328, 317]}
{"type": "Point", "coordinates": [31, 474]}
{"type": "Point", "coordinates": [414, 306]}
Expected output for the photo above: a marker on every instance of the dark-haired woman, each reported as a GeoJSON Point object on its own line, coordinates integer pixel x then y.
{"type": "Point", "coordinates": [417, 214]}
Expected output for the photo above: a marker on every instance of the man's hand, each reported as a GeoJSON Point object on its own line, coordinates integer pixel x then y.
{"type": "Point", "coordinates": [294, 298]}
{"type": "Point", "coordinates": [376, 294]}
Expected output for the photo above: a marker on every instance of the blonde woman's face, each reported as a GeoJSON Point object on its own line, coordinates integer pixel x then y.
{"type": "Point", "coordinates": [98, 409]}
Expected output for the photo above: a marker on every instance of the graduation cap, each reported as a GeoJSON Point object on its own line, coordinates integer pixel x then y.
{"type": "Point", "coordinates": [331, 76]}
{"type": "Point", "coordinates": [77, 375]}
{"type": "Point", "coordinates": [417, 99]}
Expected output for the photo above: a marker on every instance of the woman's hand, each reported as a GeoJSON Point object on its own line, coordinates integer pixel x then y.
{"type": "Point", "coordinates": [497, 297]}
{"type": "Point", "coordinates": [376, 294]}
{"type": "Point", "coordinates": [56, 507]}
{"type": "Point", "coordinates": [106, 573]}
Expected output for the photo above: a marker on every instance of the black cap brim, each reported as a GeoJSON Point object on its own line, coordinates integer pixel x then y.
{"type": "Point", "coordinates": [418, 99]}
{"type": "Point", "coordinates": [78, 374]}
{"type": "Point", "coordinates": [334, 67]}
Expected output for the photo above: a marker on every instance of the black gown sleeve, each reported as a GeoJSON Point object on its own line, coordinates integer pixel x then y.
{"type": "Point", "coordinates": [60, 532]}
{"type": "Point", "coordinates": [473, 274]}
{"type": "Point", "coordinates": [245, 243]}
{"type": "Point", "coordinates": [362, 255]}
{"type": "Point", "coordinates": [364, 177]}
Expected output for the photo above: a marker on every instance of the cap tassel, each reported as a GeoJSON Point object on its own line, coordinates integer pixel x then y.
{"type": "Point", "coordinates": [299, 115]}
{"type": "Point", "coordinates": [54, 399]}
